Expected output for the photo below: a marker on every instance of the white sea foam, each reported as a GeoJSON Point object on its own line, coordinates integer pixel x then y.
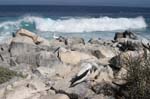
{"type": "Point", "coordinates": [77, 24]}
{"type": "Point", "coordinates": [88, 24]}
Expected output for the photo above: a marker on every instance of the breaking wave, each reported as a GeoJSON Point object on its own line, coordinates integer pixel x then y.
{"type": "Point", "coordinates": [74, 24]}
{"type": "Point", "coordinates": [90, 24]}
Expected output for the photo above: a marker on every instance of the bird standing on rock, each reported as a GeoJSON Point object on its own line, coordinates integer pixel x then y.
{"type": "Point", "coordinates": [84, 74]}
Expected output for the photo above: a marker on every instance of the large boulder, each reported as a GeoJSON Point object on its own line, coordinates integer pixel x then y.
{"type": "Point", "coordinates": [17, 49]}
{"type": "Point", "coordinates": [23, 53]}
{"type": "Point", "coordinates": [104, 52]}
{"type": "Point", "coordinates": [27, 47]}
{"type": "Point", "coordinates": [129, 44]}
{"type": "Point", "coordinates": [26, 36]}
{"type": "Point", "coordinates": [54, 72]}
{"type": "Point", "coordinates": [7, 41]}
{"type": "Point", "coordinates": [32, 54]}
{"type": "Point", "coordinates": [27, 58]}
{"type": "Point", "coordinates": [45, 58]}
{"type": "Point", "coordinates": [118, 35]}
{"type": "Point", "coordinates": [130, 41]}
{"type": "Point", "coordinates": [23, 39]}
{"type": "Point", "coordinates": [62, 70]}
{"type": "Point", "coordinates": [125, 34]}
{"type": "Point", "coordinates": [45, 72]}
{"type": "Point", "coordinates": [122, 59]}
{"type": "Point", "coordinates": [73, 57]}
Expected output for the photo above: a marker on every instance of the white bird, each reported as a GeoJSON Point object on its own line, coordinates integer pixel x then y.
{"type": "Point", "coordinates": [84, 73]}
{"type": "Point", "coordinates": [54, 36]}
{"type": "Point", "coordinates": [145, 43]}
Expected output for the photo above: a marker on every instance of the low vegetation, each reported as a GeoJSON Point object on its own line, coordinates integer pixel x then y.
{"type": "Point", "coordinates": [6, 74]}
{"type": "Point", "coordinates": [138, 78]}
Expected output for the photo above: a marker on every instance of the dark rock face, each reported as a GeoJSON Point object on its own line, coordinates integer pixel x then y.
{"type": "Point", "coordinates": [116, 62]}
{"type": "Point", "coordinates": [130, 41]}
{"type": "Point", "coordinates": [131, 45]}
{"type": "Point", "coordinates": [118, 36]}
{"type": "Point", "coordinates": [128, 34]}
{"type": "Point", "coordinates": [125, 34]}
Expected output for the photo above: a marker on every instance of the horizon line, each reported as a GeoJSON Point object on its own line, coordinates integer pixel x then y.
{"type": "Point", "coordinates": [72, 5]}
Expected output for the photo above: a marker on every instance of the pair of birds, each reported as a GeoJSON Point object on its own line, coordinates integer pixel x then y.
{"type": "Point", "coordinates": [83, 75]}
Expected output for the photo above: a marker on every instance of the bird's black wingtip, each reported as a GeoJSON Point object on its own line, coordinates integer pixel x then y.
{"type": "Point", "coordinates": [70, 86]}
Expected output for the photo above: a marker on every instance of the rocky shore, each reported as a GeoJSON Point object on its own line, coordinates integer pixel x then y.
{"type": "Point", "coordinates": [68, 68]}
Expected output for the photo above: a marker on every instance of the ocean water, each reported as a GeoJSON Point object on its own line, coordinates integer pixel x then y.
{"type": "Point", "coordinates": [81, 21]}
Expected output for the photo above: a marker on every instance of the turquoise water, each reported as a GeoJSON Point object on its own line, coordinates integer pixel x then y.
{"type": "Point", "coordinates": [86, 22]}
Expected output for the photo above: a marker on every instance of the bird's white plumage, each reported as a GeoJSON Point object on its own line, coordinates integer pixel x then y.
{"type": "Point", "coordinates": [83, 79]}
{"type": "Point", "coordinates": [145, 42]}
{"type": "Point", "coordinates": [95, 65]}
{"type": "Point", "coordinates": [84, 68]}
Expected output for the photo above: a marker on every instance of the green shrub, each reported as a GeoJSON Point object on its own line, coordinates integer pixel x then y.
{"type": "Point", "coordinates": [138, 78]}
{"type": "Point", "coordinates": [6, 74]}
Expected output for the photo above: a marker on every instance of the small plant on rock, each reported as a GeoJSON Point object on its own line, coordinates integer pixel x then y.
{"type": "Point", "coordinates": [6, 74]}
